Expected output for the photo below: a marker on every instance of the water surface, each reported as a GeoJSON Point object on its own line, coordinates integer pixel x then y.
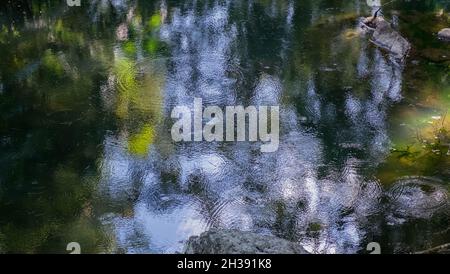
{"type": "Point", "coordinates": [86, 153]}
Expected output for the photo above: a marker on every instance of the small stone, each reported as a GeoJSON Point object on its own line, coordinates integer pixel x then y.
{"type": "Point", "coordinates": [444, 34]}
{"type": "Point", "coordinates": [303, 119]}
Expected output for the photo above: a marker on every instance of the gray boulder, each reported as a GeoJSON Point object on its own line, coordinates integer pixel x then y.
{"type": "Point", "coordinates": [444, 34]}
{"type": "Point", "coordinates": [385, 37]}
{"type": "Point", "coordinates": [239, 242]}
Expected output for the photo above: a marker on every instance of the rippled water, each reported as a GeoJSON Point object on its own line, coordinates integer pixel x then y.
{"type": "Point", "coordinates": [86, 153]}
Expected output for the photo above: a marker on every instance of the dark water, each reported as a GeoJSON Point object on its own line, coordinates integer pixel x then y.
{"type": "Point", "coordinates": [86, 153]}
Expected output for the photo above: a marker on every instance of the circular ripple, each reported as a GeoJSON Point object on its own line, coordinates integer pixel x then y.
{"type": "Point", "coordinates": [418, 197]}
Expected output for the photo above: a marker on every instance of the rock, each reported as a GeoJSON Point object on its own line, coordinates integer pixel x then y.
{"type": "Point", "coordinates": [385, 37]}
{"type": "Point", "coordinates": [239, 242]}
{"type": "Point", "coordinates": [444, 34]}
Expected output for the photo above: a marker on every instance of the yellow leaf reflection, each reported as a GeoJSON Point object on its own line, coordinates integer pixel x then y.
{"type": "Point", "coordinates": [139, 143]}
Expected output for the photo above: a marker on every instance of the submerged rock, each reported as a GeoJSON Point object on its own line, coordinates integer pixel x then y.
{"type": "Point", "coordinates": [385, 37]}
{"type": "Point", "coordinates": [239, 242]}
{"type": "Point", "coordinates": [444, 34]}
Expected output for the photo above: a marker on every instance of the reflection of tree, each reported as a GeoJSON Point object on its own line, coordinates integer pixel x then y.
{"type": "Point", "coordinates": [52, 125]}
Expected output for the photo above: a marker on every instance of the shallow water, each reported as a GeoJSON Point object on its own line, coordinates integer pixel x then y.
{"type": "Point", "coordinates": [85, 147]}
